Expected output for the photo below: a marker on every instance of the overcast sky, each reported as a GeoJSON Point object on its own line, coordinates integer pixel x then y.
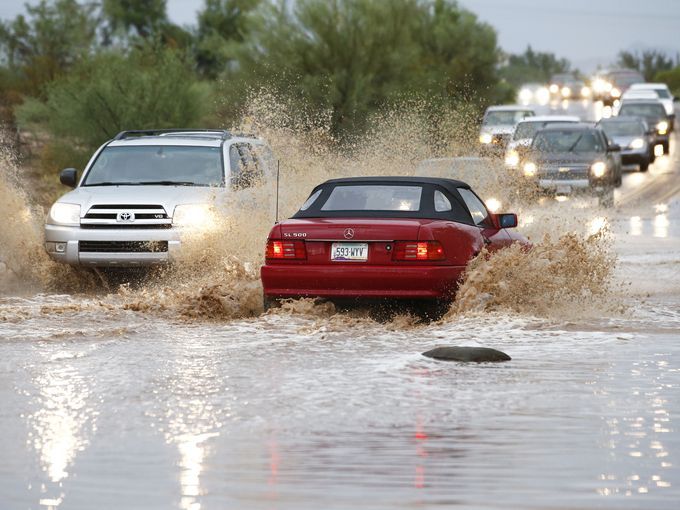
{"type": "Point", "coordinates": [587, 32]}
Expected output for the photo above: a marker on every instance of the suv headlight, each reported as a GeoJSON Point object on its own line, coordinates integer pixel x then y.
{"type": "Point", "coordinates": [485, 138]}
{"type": "Point", "coordinates": [529, 169]}
{"type": "Point", "coordinates": [193, 215]}
{"type": "Point", "coordinates": [662, 127]}
{"type": "Point", "coordinates": [638, 143]}
{"type": "Point", "coordinates": [64, 214]}
{"type": "Point", "coordinates": [598, 169]}
{"type": "Point", "coordinates": [512, 158]}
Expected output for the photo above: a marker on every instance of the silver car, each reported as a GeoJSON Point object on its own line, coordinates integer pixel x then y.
{"type": "Point", "coordinates": [142, 190]}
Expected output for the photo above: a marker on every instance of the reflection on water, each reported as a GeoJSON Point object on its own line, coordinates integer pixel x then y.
{"type": "Point", "coordinates": [661, 225]}
{"type": "Point", "coordinates": [635, 226]}
{"type": "Point", "coordinates": [192, 452]}
{"type": "Point", "coordinates": [60, 426]}
{"type": "Point", "coordinates": [192, 419]}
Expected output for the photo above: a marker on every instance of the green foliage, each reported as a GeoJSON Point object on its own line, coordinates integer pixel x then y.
{"type": "Point", "coordinates": [648, 63]}
{"type": "Point", "coordinates": [50, 39]}
{"type": "Point", "coordinates": [141, 17]}
{"type": "Point", "coordinates": [352, 57]}
{"type": "Point", "coordinates": [110, 92]}
{"type": "Point", "coordinates": [670, 77]}
{"type": "Point", "coordinates": [533, 66]}
{"type": "Point", "coordinates": [222, 26]}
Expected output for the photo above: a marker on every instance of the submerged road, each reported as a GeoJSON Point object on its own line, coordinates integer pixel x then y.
{"type": "Point", "coordinates": [109, 408]}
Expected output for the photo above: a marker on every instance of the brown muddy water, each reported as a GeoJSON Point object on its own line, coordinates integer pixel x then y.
{"type": "Point", "coordinates": [182, 394]}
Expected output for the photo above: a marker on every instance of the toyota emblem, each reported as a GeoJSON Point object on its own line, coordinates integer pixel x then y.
{"type": "Point", "coordinates": [349, 233]}
{"type": "Point", "coordinates": [125, 217]}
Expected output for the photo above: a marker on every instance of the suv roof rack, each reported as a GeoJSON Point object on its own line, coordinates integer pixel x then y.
{"type": "Point", "coordinates": [136, 133]}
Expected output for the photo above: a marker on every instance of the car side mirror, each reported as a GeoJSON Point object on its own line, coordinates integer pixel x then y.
{"type": "Point", "coordinates": [615, 147]}
{"type": "Point", "coordinates": [508, 220]}
{"type": "Point", "coordinates": [69, 177]}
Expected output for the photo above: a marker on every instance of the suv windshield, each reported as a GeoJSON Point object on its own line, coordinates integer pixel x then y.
{"type": "Point", "coordinates": [623, 128]}
{"type": "Point", "coordinates": [567, 141]}
{"type": "Point", "coordinates": [505, 117]}
{"type": "Point", "coordinates": [651, 111]}
{"type": "Point", "coordinates": [157, 164]}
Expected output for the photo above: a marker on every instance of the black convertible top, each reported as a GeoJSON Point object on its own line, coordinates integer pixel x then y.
{"type": "Point", "coordinates": [449, 187]}
{"type": "Point", "coordinates": [449, 184]}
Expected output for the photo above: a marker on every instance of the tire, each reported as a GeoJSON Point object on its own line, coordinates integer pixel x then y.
{"type": "Point", "coordinates": [644, 166]}
{"type": "Point", "coordinates": [666, 147]}
{"type": "Point", "coordinates": [433, 310]}
{"type": "Point", "coordinates": [269, 303]}
{"type": "Point", "coordinates": [606, 198]}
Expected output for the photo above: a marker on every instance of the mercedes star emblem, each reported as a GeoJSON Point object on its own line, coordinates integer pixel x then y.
{"type": "Point", "coordinates": [349, 233]}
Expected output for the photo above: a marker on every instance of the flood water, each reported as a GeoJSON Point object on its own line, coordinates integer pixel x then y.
{"type": "Point", "coordinates": [107, 407]}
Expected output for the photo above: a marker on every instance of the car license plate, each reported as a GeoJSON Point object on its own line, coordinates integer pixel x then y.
{"type": "Point", "coordinates": [349, 252]}
{"type": "Point", "coordinates": [563, 189]}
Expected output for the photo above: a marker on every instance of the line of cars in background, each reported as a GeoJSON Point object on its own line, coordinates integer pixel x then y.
{"type": "Point", "coordinates": [563, 154]}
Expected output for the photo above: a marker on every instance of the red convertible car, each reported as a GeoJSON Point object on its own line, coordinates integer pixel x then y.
{"type": "Point", "coordinates": [384, 238]}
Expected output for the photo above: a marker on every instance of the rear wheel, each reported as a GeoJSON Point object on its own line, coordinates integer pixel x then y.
{"type": "Point", "coordinates": [269, 303]}
{"type": "Point", "coordinates": [644, 166]}
{"type": "Point", "coordinates": [605, 197]}
{"type": "Point", "coordinates": [433, 310]}
{"type": "Point", "coordinates": [666, 147]}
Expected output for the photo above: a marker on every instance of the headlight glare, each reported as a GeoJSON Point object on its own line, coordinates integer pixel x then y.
{"type": "Point", "coordinates": [638, 143]}
{"type": "Point", "coordinates": [662, 127]}
{"type": "Point", "coordinates": [494, 205]}
{"type": "Point", "coordinates": [193, 215]}
{"type": "Point", "coordinates": [615, 92]}
{"type": "Point", "coordinates": [65, 214]}
{"type": "Point", "coordinates": [530, 169]}
{"type": "Point", "coordinates": [485, 138]}
{"type": "Point", "coordinates": [512, 158]}
{"type": "Point", "coordinates": [599, 169]}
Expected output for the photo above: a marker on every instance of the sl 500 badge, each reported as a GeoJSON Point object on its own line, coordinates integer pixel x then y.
{"type": "Point", "coordinates": [295, 234]}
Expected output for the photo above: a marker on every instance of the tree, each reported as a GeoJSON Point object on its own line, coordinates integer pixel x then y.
{"type": "Point", "coordinates": [352, 57]}
{"type": "Point", "coordinates": [138, 17]}
{"type": "Point", "coordinates": [222, 26]}
{"type": "Point", "coordinates": [670, 77]}
{"type": "Point", "coordinates": [50, 39]}
{"type": "Point", "coordinates": [111, 92]}
{"type": "Point", "coordinates": [648, 62]}
{"type": "Point", "coordinates": [533, 66]}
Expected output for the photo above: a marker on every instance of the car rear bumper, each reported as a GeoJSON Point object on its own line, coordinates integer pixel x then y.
{"type": "Point", "coordinates": [69, 239]}
{"type": "Point", "coordinates": [354, 281]}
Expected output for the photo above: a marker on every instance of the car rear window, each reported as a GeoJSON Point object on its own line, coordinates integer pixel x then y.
{"type": "Point", "coordinates": [374, 198]}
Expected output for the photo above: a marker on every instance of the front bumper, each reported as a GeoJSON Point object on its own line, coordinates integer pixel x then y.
{"type": "Point", "coordinates": [71, 254]}
{"type": "Point", "coordinates": [354, 281]}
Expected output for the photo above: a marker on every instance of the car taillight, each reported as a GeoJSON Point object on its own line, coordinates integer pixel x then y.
{"type": "Point", "coordinates": [418, 250]}
{"type": "Point", "coordinates": [288, 250]}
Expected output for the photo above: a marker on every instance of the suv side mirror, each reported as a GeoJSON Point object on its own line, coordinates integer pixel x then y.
{"type": "Point", "coordinates": [615, 147]}
{"type": "Point", "coordinates": [508, 220]}
{"type": "Point", "coordinates": [69, 177]}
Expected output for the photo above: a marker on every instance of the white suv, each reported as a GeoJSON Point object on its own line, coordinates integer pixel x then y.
{"type": "Point", "coordinates": [143, 189]}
